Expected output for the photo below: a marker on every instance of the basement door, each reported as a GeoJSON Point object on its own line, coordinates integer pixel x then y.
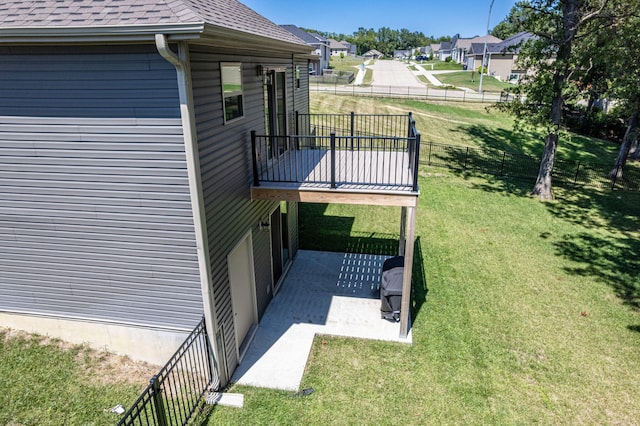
{"type": "Point", "coordinates": [243, 290]}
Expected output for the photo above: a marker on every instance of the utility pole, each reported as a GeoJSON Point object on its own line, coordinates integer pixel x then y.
{"type": "Point", "coordinates": [484, 51]}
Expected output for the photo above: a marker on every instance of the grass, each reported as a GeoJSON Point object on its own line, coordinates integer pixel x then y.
{"type": "Point", "coordinates": [45, 382]}
{"type": "Point", "coordinates": [471, 80]}
{"type": "Point", "coordinates": [527, 312]}
{"type": "Point", "coordinates": [529, 315]}
{"type": "Point", "coordinates": [469, 124]}
{"type": "Point", "coordinates": [348, 63]}
{"type": "Point", "coordinates": [440, 65]}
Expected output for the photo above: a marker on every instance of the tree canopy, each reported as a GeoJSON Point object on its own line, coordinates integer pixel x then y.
{"type": "Point", "coordinates": [384, 39]}
{"type": "Point", "coordinates": [583, 50]}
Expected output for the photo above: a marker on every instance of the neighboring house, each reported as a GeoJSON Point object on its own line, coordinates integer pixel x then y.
{"type": "Point", "coordinates": [320, 45]}
{"type": "Point", "coordinates": [338, 48]}
{"type": "Point", "coordinates": [444, 50]}
{"type": "Point", "coordinates": [351, 48]}
{"type": "Point", "coordinates": [373, 54]}
{"type": "Point", "coordinates": [501, 59]}
{"type": "Point", "coordinates": [461, 46]}
{"type": "Point", "coordinates": [402, 54]}
{"type": "Point", "coordinates": [435, 48]}
{"type": "Point", "coordinates": [126, 172]}
{"type": "Point", "coordinates": [425, 51]}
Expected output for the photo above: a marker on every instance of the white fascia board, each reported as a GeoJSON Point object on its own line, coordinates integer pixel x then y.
{"type": "Point", "coordinates": [116, 33]}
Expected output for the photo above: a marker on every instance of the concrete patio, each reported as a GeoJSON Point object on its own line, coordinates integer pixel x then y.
{"type": "Point", "coordinates": [323, 293]}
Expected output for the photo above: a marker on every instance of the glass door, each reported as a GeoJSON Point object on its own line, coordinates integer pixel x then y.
{"type": "Point", "coordinates": [275, 106]}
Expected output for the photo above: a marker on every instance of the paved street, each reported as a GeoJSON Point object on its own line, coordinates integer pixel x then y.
{"type": "Point", "coordinates": [393, 78]}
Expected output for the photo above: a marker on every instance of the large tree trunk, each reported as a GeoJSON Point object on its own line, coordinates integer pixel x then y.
{"type": "Point", "coordinates": [542, 187]}
{"type": "Point", "coordinates": [630, 136]}
{"type": "Point", "coordinates": [570, 22]}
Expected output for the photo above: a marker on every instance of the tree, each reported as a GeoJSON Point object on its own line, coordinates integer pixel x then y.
{"type": "Point", "coordinates": [623, 52]}
{"type": "Point", "coordinates": [513, 23]}
{"type": "Point", "coordinates": [556, 23]}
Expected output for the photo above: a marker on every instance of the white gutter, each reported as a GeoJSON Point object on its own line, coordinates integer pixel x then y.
{"type": "Point", "coordinates": [100, 34]}
{"type": "Point", "coordinates": [181, 63]}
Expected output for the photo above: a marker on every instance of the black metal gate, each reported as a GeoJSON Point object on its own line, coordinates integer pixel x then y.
{"type": "Point", "coordinates": [177, 392]}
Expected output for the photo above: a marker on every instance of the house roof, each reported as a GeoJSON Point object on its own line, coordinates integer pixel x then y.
{"type": "Point", "coordinates": [373, 52]}
{"type": "Point", "coordinates": [24, 20]}
{"type": "Point", "coordinates": [445, 45]}
{"type": "Point", "coordinates": [515, 42]}
{"type": "Point", "coordinates": [512, 44]}
{"type": "Point", "coordinates": [336, 45]}
{"type": "Point", "coordinates": [435, 47]}
{"type": "Point", "coordinates": [465, 43]}
{"type": "Point", "coordinates": [303, 35]}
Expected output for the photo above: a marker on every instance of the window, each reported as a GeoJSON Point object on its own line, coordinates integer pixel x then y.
{"type": "Point", "coordinates": [232, 91]}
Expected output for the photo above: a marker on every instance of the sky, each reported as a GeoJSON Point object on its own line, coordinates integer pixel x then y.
{"type": "Point", "coordinates": [431, 17]}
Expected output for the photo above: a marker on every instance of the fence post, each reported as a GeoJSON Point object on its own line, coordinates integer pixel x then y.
{"type": "Point", "coordinates": [429, 160]}
{"type": "Point", "coordinates": [333, 160]}
{"type": "Point", "coordinates": [504, 154]}
{"type": "Point", "coordinates": [158, 404]}
{"type": "Point", "coordinates": [615, 177]}
{"type": "Point", "coordinates": [353, 118]}
{"type": "Point", "coordinates": [575, 178]}
{"type": "Point", "coordinates": [466, 156]}
{"type": "Point", "coordinates": [254, 158]}
{"type": "Point", "coordinates": [416, 163]}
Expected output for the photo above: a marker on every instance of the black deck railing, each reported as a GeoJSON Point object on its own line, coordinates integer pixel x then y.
{"type": "Point", "coordinates": [341, 149]}
{"type": "Point", "coordinates": [177, 392]}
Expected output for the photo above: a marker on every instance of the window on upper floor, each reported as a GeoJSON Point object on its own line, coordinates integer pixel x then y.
{"type": "Point", "coordinates": [231, 75]}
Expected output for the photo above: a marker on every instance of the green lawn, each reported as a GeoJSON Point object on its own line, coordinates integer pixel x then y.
{"type": "Point", "coordinates": [440, 65]}
{"type": "Point", "coordinates": [469, 124]}
{"type": "Point", "coordinates": [46, 382]}
{"type": "Point", "coordinates": [347, 63]}
{"type": "Point", "coordinates": [527, 313]}
{"type": "Point", "coordinates": [471, 80]}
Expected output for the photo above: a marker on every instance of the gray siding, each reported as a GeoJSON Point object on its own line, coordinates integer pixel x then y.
{"type": "Point", "coordinates": [95, 219]}
{"type": "Point", "coordinates": [84, 81]}
{"type": "Point", "coordinates": [225, 161]}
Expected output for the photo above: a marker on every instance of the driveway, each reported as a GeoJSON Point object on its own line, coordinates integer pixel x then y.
{"type": "Point", "coordinates": [394, 73]}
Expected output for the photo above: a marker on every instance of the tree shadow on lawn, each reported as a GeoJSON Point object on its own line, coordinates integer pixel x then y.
{"type": "Point", "coordinates": [500, 139]}
{"type": "Point", "coordinates": [613, 261]}
{"type": "Point", "coordinates": [531, 143]}
{"type": "Point", "coordinates": [613, 257]}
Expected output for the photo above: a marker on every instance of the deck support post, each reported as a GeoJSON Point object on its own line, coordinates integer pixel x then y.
{"type": "Point", "coordinates": [403, 231]}
{"type": "Point", "coordinates": [333, 160]}
{"type": "Point", "coordinates": [405, 307]}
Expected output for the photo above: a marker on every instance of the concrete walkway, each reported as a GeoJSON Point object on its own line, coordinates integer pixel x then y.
{"type": "Point", "coordinates": [323, 293]}
{"type": "Point", "coordinates": [360, 73]}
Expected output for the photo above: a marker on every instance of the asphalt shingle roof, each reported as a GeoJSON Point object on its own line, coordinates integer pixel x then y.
{"type": "Point", "coordinates": [228, 14]}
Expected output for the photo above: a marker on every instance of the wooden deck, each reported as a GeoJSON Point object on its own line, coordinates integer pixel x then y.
{"type": "Point", "coordinates": [360, 177]}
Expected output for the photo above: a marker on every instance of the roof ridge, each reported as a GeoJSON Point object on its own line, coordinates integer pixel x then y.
{"type": "Point", "coordinates": [178, 7]}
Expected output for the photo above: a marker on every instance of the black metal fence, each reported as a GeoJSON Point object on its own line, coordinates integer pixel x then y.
{"type": "Point", "coordinates": [177, 392]}
{"type": "Point", "coordinates": [335, 149]}
{"type": "Point", "coordinates": [444, 93]}
{"type": "Point", "coordinates": [520, 166]}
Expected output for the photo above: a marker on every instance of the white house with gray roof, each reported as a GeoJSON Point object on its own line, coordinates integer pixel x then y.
{"type": "Point", "coordinates": [125, 170]}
